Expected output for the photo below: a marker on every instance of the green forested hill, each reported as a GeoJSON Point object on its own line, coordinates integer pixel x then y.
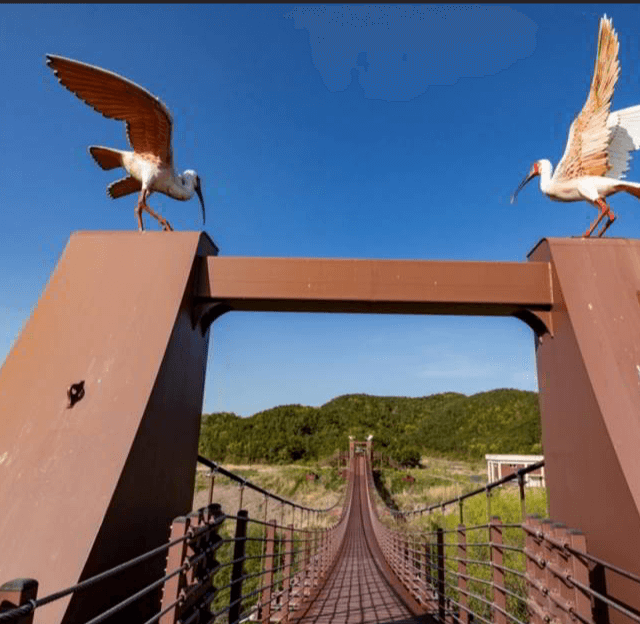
{"type": "Point", "coordinates": [449, 424]}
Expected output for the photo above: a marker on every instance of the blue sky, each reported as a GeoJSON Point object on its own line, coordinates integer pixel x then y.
{"type": "Point", "coordinates": [346, 131]}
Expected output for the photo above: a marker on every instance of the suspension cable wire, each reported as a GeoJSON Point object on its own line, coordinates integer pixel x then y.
{"type": "Point", "coordinates": [487, 488]}
{"type": "Point", "coordinates": [238, 479]}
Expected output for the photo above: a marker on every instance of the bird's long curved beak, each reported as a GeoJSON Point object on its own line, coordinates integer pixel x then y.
{"type": "Point", "coordinates": [531, 175]}
{"type": "Point", "coordinates": [199, 191]}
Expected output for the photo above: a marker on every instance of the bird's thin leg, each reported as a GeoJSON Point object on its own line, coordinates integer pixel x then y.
{"type": "Point", "coordinates": [142, 205]}
{"type": "Point", "coordinates": [604, 210]}
{"type": "Point", "coordinates": [610, 219]}
{"type": "Point", "coordinates": [166, 226]}
{"type": "Point", "coordinates": [138, 211]}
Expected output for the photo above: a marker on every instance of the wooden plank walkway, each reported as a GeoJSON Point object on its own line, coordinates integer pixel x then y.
{"type": "Point", "coordinates": [361, 587]}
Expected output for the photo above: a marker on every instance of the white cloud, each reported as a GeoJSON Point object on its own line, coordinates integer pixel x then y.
{"type": "Point", "coordinates": [400, 50]}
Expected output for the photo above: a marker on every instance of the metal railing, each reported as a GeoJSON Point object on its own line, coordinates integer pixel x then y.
{"type": "Point", "coordinates": [232, 568]}
{"type": "Point", "coordinates": [532, 571]}
{"type": "Point", "coordinates": [219, 567]}
{"type": "Point", "coordinates": [518, 475]}
{"type": "Point", "coordinates": [243, 482]}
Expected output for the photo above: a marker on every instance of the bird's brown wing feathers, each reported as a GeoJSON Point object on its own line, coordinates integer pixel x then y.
{"type": "Point", "coordinates": [147, 119]}
{"type": "Point", "coordinates": [586, 151]}
{"type": "Point", "coordinates": [123, 187]}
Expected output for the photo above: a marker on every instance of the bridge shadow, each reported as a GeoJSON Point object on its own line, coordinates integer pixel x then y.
{"type": "Point", "coordinates": [385, 494]}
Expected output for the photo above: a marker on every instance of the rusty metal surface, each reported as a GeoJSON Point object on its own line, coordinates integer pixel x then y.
{"type": "Point", "coordinates": [101, 396]}
{"type": "Point", "coordinates": [87, 487]}
{"type": "Point", "coordinates": [361, 586]}
{"type": "Point", "coordinates": [377, 286]}
{"type": "Point", "coordinates": [589, 383]}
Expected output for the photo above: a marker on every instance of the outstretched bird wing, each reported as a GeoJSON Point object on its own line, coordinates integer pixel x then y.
{"type": "Point", "coordinates": [625, 138]}
{"type": "Point", "coordinates": [147, 119]}
{"type": "Point", "coordinates": [586, 152]}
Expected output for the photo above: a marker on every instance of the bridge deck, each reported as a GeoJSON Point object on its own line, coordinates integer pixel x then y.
{"type": "Point", "coordinates": [361, 587]}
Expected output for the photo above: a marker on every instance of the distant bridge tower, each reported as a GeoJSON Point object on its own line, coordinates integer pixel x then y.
{"type": "Point", "coordinates": [360, 447]}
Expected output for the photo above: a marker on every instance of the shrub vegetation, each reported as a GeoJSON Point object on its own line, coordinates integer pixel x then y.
{"type": "Point", "coordinates": [449, 425]}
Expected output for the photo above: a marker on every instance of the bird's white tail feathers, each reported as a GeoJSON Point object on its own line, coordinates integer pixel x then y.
{"type": "Point", "coordinates": [625, 138]}
{"type": "Point", "coordinates": [106, 157]}
{"type": "Point", "coordinates": [633, 188]}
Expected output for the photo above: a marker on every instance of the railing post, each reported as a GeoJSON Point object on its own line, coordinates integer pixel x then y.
{"type": "Point", "coordinates": [546, 551]}
{"type": "Point", "coordinates": [318, 564]}
{"type": "Point", "coordinates": [499, 595]}
{"type": "Point", "coordinates": [237, 572]}
{"type": "Point", "coordinates": [410, 566]}
{"type": "Point", "coordinates": [198, 577]}
{"type": "Point", "coordinates": [488, 489]}
{"type": "Point", "coordinates": [212, 480]}
{"type": "Point", "coordinates": [559, 587]}
{"type": "Point", "coordinates": [405, 560]}
{"type": "Point", "coordinates": [534, 571]}
{"type": "Point", "coordinates": [286, 578]}
{"type": "Point", "coordinates": [422, 565]}
{"type": "Point", "coordinates": [18, 593]}
{"type": "Point", "coordinates": [563, 563]}
{"type": "Point", "coordinates": [175, 559]}
{"type": "Point", "coordinates": [241, 494]}
{"type": "Point", "coordinates": [441, 578]}
{"type": "Point", "coordinates": [324, 546]}
{"type": "Point", "coordinates": [463, 599]}
{"type": "Point", "coordinates": [415, 559]}
{"type": "Point", "coordinates": [313, 559]}
{"type": "Point", "coordinates": [307, 569]}
{"type": "Point", "coordinates": [315, 575]}
{"type": "Point", "coordinates": [277, 564]}
{"type": "Point", "coordinates": [523, 501]}
{"type": "Point", "coordinates": [270, 539]}
{"type": "Point", "coordinates": [428, 575]}
{"type": "Point", "coordinates": [580, 572]}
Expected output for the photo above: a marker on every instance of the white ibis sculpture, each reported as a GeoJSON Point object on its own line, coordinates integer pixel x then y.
{"type": "Point", "coordinates": [597, 154]}
{"type": "Point", "coordinates": [148, 124]}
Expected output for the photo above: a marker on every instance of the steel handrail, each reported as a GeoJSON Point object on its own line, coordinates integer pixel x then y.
{"type": "Point", "coordinates": [487, 488]}
{"type": "Point", "coordinates": [217, 468]}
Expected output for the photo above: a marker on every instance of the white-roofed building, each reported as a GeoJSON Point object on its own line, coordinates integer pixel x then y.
{"type": "Point", "coordinates": [499, 466]}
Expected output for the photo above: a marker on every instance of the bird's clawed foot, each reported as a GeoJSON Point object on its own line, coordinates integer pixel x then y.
{"type": "Point", "coordinates": [605, 211]}
{"type": "Point", "coordinates": [166, 226]}
{"type": "Point", "coordinates": [610, 219]}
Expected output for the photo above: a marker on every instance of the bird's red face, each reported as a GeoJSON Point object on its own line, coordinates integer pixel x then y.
{"type": "Point", "coordinates": [533, 172]}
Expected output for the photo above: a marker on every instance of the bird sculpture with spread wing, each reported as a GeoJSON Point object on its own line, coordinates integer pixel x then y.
{"type": "Point", "coordinates": [148, 124]}
{"type": "Point", "coordinates": [598, 149]}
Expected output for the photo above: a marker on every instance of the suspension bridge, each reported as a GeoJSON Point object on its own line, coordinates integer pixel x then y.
{"type": "Point", "coordinates": [101, 397]}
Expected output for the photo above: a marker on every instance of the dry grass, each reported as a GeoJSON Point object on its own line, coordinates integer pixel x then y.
{"type": "Point", "coordinates": [437, 480]}
{"type": "Point", "coordinates": [287, 481]}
